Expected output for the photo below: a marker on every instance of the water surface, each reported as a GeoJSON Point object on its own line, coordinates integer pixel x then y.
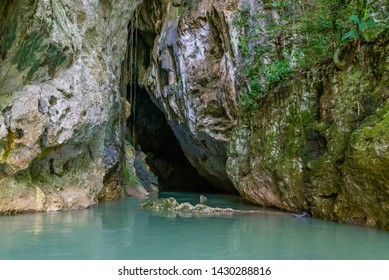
{"type": "Point", "coordinates": [122, 230]}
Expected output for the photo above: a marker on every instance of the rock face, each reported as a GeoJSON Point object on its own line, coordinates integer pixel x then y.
{"type": "Point", "coordinates": [317, 143]}
{"type": "Point", "coordinates": [60, 102]}
{"type": "Point", "coordinates": [139, 181]}
{"type": "Point", "coordinates": [189, 73]}
{"type": "Point", "coordinates": [321, 147]}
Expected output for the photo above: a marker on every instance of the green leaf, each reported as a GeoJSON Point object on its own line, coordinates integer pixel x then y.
{"type": "Point", "coordinates": [371, 23]}
{"type": "Point", "coordinates": [355, 19]}
{"type": "Point", "coordinates": [362, 26]}
{"type": "Point", "coordinates": [351, 34]}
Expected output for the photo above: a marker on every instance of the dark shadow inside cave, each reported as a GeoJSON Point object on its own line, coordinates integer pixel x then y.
{"type": "Point", "coordinates": [148, 129]}
{"type": "Point", "coordinates": [151, 134]}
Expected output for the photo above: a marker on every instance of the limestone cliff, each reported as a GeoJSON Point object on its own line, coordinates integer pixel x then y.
{"type": "Point", "coordinates": [285, 102]}
{"type": "Point", "coordinates": [189, 71]}
{"type": "Point", "coordinates": [60, 102]}
{"type": "Point", "coordinates": [316, 139]}
{"type": "Point", "coordinates": [247, 109]}
{"type": "Point", "coordinates": [320, 144]}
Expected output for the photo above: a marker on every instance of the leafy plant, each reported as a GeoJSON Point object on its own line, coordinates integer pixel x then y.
{"type": "Point", "coordinates": [288, 37]}
{"type": "Point", "coordinates": [278, 71]}
{"type": "Point", "coordinates": [360, 30]}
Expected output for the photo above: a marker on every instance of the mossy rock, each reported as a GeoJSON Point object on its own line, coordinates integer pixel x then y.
{"type": "Point", "coordinates": [369, 149]}
{"type": "Point", "coordinates": [162, 204]}
{"type": "Point", "coordinates": [366, 174]}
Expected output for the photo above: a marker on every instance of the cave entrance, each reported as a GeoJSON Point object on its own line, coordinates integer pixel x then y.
{"type": "Point", "coordinates": [150, 133]}
{"type": "Point", "coordinates": [148, 129]}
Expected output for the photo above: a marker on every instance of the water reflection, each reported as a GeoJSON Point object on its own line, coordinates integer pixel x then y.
{"type": "Point", "coordinates": [122, 230]}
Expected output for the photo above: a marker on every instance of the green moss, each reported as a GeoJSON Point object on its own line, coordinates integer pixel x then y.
{"type": "Point", "coordinates": [90, 33]}
{"type": "Point", "coordinates": [148, 204]}
{"type": "Point", "coordinates": [24, 177]}
{"type": "Point", "coordinates": [55, 57]}
{"type": "Point", "coordinates": [372, 139]}
{"type": "Point", "coordinates": [130, 179]}
{"type": "Point", "coordinates": [162, 204]}
{"type": "Point", "coordinates": [106, 6]}
{"type": "Point", "coordinates": [7, 37]}
{"type": "Point", "coordinates": [34, 54]}
{"type": "Point", "coordinates": [34, 68]}
{"type": "Point", "coordinates": [9, 143]}
{"type": "Point", "coordinates": [375, 119]}
{"type": "Point", "coordinates": [308, 118]}
{"type": "Point", "coordinates": [29, 51]}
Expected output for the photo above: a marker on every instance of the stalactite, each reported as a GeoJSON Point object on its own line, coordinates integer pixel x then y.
{"type": "Point", "coordinates": [134, 76]}
{"type": "Point", "coordinates": [127, 84]}
{"type": "Point", "coordinates": [131, 77]}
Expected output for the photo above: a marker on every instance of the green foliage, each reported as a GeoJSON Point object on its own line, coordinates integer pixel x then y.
{"type": "Point", "coordinates": [258, 77]}
{"type": "Point", "coordinates": [320, 27]}
{"type": "Point", "coordinates": [299, 36]}
{"type": "Point", "coordinates": [243, 22]}
{"type": "Point", "coordinates": [278, 71]}
{"type": "Point", "coordinates": [361, 29]}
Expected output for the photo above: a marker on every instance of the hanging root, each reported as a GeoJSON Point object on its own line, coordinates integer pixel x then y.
{"type": "Point", "coordinates": [341, 65]}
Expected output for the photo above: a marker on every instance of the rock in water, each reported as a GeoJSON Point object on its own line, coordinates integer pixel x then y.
{"type": "Point", "coordinates": [170, 205]}
{"type": "Point", "coordinates": [302, 215]}
{"type": "Point", "coordinates": [203, 199]}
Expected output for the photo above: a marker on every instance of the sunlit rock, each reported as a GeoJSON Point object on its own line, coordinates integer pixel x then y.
{"type": "Point", "coordinates": [60, 103]}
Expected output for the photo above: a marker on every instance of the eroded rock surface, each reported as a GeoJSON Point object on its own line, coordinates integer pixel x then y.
{"type": "Point", "coordinates": [189, 74]}
{"type": "Point", "coordinates": [316, 143]}
{"type": "Point", "coordinates": [320, 144]}
{"type": "Point", "coordinates": [60, 102]}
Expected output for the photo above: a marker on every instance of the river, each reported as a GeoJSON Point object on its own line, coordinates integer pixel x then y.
{"type": "Point", "coordinates": [123, 230]}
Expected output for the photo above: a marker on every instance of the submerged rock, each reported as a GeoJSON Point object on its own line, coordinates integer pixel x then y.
{"type": "Point", "coordinates": [186, 209]}
{"type": "Point", "coordinates": [203, 199]}
{"type": "Point", "coordinates": [171, 205]}
{"type": "Point", "coordinates": [302, 215]}
{"type": "Point", "coordinates": [163, 204]}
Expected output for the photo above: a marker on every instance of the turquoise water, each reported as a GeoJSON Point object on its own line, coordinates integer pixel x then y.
{"type": "Point", "coordinates": [122, 230]}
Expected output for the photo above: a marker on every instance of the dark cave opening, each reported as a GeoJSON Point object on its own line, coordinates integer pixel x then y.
{"type": "Point", "coordinates": [150, 133]}
{"type": "Point", "coordinates": [148, 129]}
